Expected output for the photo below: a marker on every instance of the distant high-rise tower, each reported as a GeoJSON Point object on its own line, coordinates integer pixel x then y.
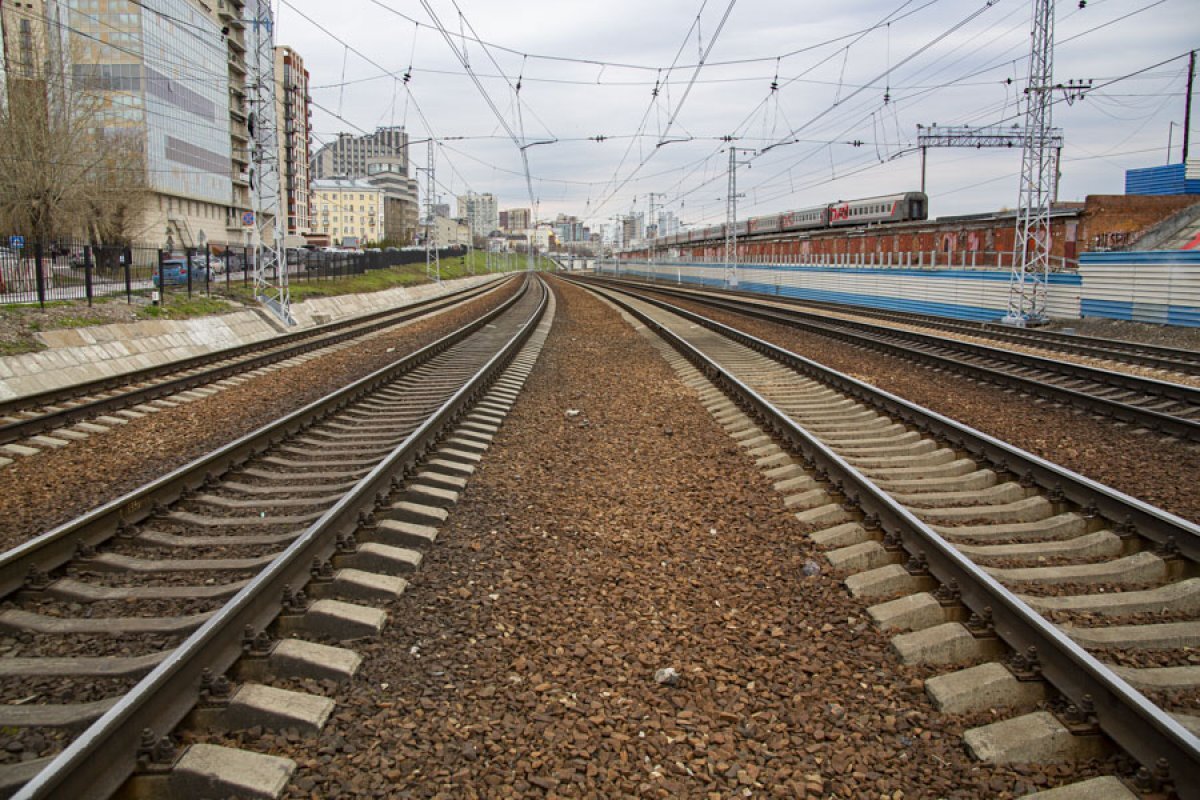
{"type": "Point", "coordinates": [480, 211]}
{"type": "Point", "coordinates": [292, 110]}
{"type": "Point", "coordinates": [347, 157]}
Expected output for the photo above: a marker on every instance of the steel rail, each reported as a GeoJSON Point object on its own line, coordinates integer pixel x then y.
{"type": "Point", "coordinates": [1125, 412]}
{"type": "Point", "coordinates": [57, 546]}
{"type": "Point", "coordinates": [1160, 357]}
{"type": "Point", "coordinates": [1128, 717]}
{"type": "Point", "coordinates": [100, 759]}
{"type": "Point", "coordinates": [292, 344]}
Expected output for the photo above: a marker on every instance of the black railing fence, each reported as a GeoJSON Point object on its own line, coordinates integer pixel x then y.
{"type": "Point", "coordinates": [45, 272]}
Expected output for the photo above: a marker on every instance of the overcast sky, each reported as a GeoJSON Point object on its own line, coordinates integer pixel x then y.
{"type": "Point", "coordinates": [855, 71]}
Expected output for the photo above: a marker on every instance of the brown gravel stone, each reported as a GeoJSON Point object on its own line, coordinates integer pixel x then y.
{"type": "Point", "coordinates": [54, 486]}
{"type": "Point", "coordinates": [594, 552]}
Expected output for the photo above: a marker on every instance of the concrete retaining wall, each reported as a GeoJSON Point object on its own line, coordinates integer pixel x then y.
{"type": "Point", "coordinates": [77, 355]}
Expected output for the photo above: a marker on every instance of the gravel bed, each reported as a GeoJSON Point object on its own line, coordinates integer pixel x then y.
{"type": "Point", "coordinates": [231, 530]}
{"type": "Point", "coordinates": [45, 645]}
{"type": "Point", "coordinates": [1150, 467]}
{"type": "Point", "coordinates": [154, 553]}
{"type": "Point", "coordinates": [1087, 619]}
{"type": "Point", "coordinates": [1143, 659]}
{"type": "Point", "coordinates": [125, 580]}
{"type": "Point", "coordinates": [1175, 336]}
{"type": "Point", "coordinates": [53, 607]}
{"type": "Point", "coordinates": [591, 551]}
{"type": "Point", "coordinates": [1030, 561]}
{"type": "Point", "coordinates": [54, 486]}
{"type": "Point", "coordinates": [1180, 701]}
{"type": "Point", "coordinates": [1081, 587]}
{"type": "Point", "coordinates": [27, 744]}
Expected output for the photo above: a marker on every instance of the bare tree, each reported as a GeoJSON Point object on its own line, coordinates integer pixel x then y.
{"type": "Point", "coordinates": [71, 166]}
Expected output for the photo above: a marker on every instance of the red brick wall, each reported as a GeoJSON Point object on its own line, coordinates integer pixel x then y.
{"type": "Point", "coordinates": [1101, 222]}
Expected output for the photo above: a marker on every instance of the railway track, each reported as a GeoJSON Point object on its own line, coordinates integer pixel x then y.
{"type": "Point", "coordinates": [1052, 592]}
{"type": "Point", "coordinates": [1166, 359]}
{"type": "Point", "coordinates": [24, 419]}
{"type": "Point", "coordinates": [119, 623]}
{"type": "Point", "coordinates": [1167, 408]}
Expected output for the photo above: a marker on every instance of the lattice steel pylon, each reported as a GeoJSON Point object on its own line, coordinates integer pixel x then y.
{"type": "Point", "coordinates": [270, 267]}
{"type": "Point", "coordinates": [731, 196]}
{"type": "Point", "coordinates": [433, 262]}
{"type": "Point", "coordinates": [1031, 247]}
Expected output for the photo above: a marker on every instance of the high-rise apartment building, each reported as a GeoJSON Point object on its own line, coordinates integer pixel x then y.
{"type": "Point", "coordinates": [347, 156]}
{"type": "Point", "coordinates": [668, 224]}
{"type": "Point", "coordinates": [514, 220]}
{"type": "Point", "coordinates": [480, 212]}
{"type": "Point", "coordinates": [568, 229]}
{"type": "Point", "coordinates": [293, 115]}
{"type": "Point", "coordinates": [633, 227]}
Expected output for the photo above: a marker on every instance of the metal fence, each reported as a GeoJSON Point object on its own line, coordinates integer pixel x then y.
{"type": "Point", "coordinates": [46, 272]}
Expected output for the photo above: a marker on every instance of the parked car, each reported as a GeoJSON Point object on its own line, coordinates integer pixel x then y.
{"type": "Point", "coordinates": [175, 271]}
{"type": "Point", "coordinates": [214, 263]}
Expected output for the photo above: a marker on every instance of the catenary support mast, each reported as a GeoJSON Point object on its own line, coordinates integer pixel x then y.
{"type": "Point", "coordinates": [270, 267]}
{"type": "Point", "coordinates": [1031, 248]}
{"type": "Point", "coordinates": [731, 198]}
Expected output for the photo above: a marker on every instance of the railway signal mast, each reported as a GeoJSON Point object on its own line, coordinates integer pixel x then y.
{"type": "Point", "coordinates": [270, 268]}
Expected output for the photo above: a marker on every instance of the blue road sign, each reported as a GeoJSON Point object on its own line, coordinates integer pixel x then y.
{"type": "Point", "coordinates": [16, 242]}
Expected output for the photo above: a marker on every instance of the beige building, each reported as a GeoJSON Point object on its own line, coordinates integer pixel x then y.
{"type": "Point", "coordinates": [293, 116]}
{"type": "Point", "coordinates": [23, 34]}
{"type": "Point", "coordinates": [450, 232]}
{"type": "Point", "coordinates": [349, 211]}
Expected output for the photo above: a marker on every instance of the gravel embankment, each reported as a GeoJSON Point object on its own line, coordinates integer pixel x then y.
{"type": "Point", "coordinates": [589, 552]}
{"type": "Point", "coordinates": [47, 489]}
{"type": "Point", "coordinates": [1158, 470]}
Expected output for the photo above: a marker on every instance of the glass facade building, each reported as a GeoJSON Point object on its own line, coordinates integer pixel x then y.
{"type": "Point", "coordinates": [162, 67]}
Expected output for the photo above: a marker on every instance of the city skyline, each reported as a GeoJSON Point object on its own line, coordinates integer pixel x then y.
{"type": "Point", "coordinates": [851, 87]}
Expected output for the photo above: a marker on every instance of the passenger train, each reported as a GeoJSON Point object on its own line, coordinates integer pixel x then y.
{"type": "Point", "coordinates": [902, 207]}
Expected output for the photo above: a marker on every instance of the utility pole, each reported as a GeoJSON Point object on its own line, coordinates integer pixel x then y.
{"type": "Point", "coordinates": [1187, 104]}
{"type": "Point", "coordinates": [731, 196]}
{"type": "Point", "coordinates": [270, 268]}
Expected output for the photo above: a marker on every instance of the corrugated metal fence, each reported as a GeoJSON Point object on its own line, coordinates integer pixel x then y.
{"type": "Point", "coordinates": [1165, 179]}
{"type": "Point", "coordinates": [1160, 287]}
{"type": "Point", "coordinates": [958, 293]}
